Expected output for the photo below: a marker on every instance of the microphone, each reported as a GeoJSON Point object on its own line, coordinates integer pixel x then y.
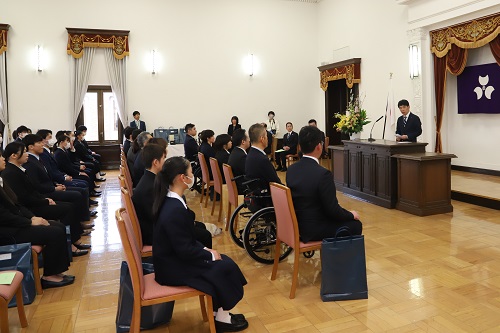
{"type": "Point", "coordinates": [376, 121]}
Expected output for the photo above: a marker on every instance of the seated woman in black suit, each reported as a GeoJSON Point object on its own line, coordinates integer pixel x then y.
{"type": "Point", "coordinates": [222, 146]}
{"type": "Point", "coordinates": [235, 124]}
{"type": "Point", "coordinates": [181, 260]}
{"type": "Point", "coordinates": [23, 226]}
{"type": "Point", "coordinates": [207, 138]}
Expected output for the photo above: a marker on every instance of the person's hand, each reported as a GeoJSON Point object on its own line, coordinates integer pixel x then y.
{"type": "Point", "coordinates": [82, 167]}
{"type": "Point", "coordinates": [68, 178]}
{"type": "Point", "coordinates": [35, 220]}
{"type": "Point", "coordinates": [355, 214]}
{"type": "Point", "coordinates": [83, 174]}
{"type": "Point", "coordinates": [286, 148]}
{"type": "Point", "coordinates": [215, 254]}
{"type": "Point", "coordinates": [404, 137]}
{"type": "Point", "coordinates": [60, 187]}
{"type": "Point", "coordinates": [398, 138]}
{"type": "Point", "coordinates": [51, 202]}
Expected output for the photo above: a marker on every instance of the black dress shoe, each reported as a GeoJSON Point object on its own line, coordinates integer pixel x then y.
{"type": "Point", "coordinates": [284, 169]}
{"type": "Point", "coordinates": [93, 202]}
{"type": "Point", "coordinates": [97, 186]}
{"type": "Point", "coordinates": [68, 277]}
{"type": "Point", "coordinates": [100, 179]}
{"type": "Point", "coordinates": [102, 174]}
{"type": "Point", "coordinates": [279, 168]}
{"type": "Point", "coordinates": [79, 253]}
{"type": "Point", "coordinates": [95, 194]}
{"type": "Point", "coordinates": [93, 213]}
{"type": "Point", "coordinates": [235, 326]}
{"type": "Point", "coordinates": [51, 284]}
{"type": "Point", "coordinates": [82, 246]}
{"type": "Point", "coordinates": [87, 226]}
{"type": "Point", "coordinates": [86, 233]}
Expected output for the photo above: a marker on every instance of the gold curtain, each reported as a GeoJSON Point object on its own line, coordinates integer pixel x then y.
{"type": "Point", "coordinates": [350, 70]}
{"type": "Point", "coordinates": [79, 39]}
{"type": "Point", "coordinates": [4, 28]}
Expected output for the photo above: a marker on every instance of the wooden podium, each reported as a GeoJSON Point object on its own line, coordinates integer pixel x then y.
{"type": "Point", "coordinates": [367, 170]}
{"type": "Point", "coordinates": [424, 183]}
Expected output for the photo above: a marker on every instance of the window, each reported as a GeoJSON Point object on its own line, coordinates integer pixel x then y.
{"type": "Point", "coordinates": [100, 115]}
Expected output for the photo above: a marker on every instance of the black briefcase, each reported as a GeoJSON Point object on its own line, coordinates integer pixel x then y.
{"type": "Point", "coordinates": [343, 265]}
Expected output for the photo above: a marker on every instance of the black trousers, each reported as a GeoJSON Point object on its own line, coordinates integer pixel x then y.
{"type": "Point", "coordinates": [281, 157]}
{"type": "Point", "coordinates": [78, 197]}
{"type": "Point", "coordinates": [64, 212]}
{"type": "Point", "coordinates": [53, 238]}
{"type": "Point", "coordinates": [202, 235]}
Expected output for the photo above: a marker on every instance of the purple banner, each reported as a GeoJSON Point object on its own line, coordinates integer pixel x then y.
{"type": "Point", "coordinates": [478, 89]}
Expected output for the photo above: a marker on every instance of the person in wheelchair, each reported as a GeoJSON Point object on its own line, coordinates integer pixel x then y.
{"type": "Point", "coordinates": [190, 144]}
{"type": "Point", "coordinates": [257, 165]}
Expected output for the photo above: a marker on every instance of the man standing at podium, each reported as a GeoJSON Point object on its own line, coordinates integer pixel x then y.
{"type": "Point", "coordinates": [409, 126]}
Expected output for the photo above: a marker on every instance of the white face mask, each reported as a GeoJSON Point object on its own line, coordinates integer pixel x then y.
{"type": "Point", "coordinates": [189, 185]}
{"type": "Point", "coordinates": [271, 116]}
{"type": "Point", "coordinates": [68, 145]}
{"type": "Point", "coordinates": [51, 142]}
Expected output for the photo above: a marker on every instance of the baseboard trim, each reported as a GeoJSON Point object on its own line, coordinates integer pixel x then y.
{"type": "Point", "coordinates": [477, 200]}
{"type": "Point", "coordinates": [476, 170]}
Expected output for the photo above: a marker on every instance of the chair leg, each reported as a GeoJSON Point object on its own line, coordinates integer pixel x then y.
{"type": "Point", "coordinates": [203, 308]}
{"type": "Point", "coordinates": [20, 306]}
{"type": "Point", "coordinates": [202, 191]}
{"type": "Point", "coordinates": [207, 194]}
{"type": "Point", "coordinates": [295, 275]}
{"type": "Point", "coordinates": [228, 215]}
{"type": "Point", "coordinates": [213, 203]}
{"type": "Point", "coordinates": [220, 208]}
{"type": "Point", "coordinates": [36, 273]}
{"type": "Point", "coordinates": [211, 319]}
{"type": "Point", "coordinates": [276, 259]}
{"type": "Point", "coordinates": [4, 315]}
{"type": "Point", "coordinates": [135, 322]}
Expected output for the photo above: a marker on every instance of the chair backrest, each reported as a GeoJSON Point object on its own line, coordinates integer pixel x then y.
{"type": "Point", "coordinates": [286, 221]}
{"type": "Point", "coordinates": [129, 205]}
{"type": "Point", "coordinates": [327, 143]}
{"type": "Point", "coordinates": [132, 251]}
{"type": "Point", "coordinates": [123, 183]}
{"type": "Point", "coordinates": [214, 165]}
{"type": "Point", "coordinates": [232, 189]}
{"type": "Point", "coordinates": [205, 176]}
{"type": "Point", "coordinates": [128, 178]}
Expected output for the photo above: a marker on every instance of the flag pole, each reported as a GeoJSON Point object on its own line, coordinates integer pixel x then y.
{"type": "Point", "coordinates": [386, 106]}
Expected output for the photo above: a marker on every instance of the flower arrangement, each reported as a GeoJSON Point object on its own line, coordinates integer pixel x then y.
{"type": "Point", "coordinates": [354, 119]}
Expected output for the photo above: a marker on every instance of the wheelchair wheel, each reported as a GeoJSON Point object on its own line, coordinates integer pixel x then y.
{"type": "Point", "coordinates": [259, 237]}
{"type": "Point", "coordinates": [237, 223]}
{"type": "Point", "coordinates": [308, 254]}
{"type": "Point", "coordinates": [197, 179]}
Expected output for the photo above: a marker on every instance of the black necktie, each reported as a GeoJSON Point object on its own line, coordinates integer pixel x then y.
{"type": "Point", "coordinates": [404, 121]}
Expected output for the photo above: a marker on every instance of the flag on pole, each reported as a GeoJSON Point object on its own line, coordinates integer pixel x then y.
{"type": "Point", "coordinates": [390, 112]}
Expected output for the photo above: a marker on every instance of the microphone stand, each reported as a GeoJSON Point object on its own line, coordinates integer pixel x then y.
{"type": "Point", "coordinates": [376, 121]}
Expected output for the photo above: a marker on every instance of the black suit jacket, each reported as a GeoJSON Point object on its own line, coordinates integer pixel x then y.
{"type": "Point", "coordinates": [291, 141]}
{"type": "Point", "coordinates": [82, 153]}
{"type": "Point", "coordinates": [257, 165]}
{"type": "Point", "coordinates": [413, 127]}
{"type": "Point", "coordinates": [126, 146]}
{"type": "Point", "coordinates": [12, 215]}
{"type": "Point", "coordinates": [142, 125]}
{"type": "Point", "coordinates": [231, 128]}
{"type": "Point", "coordinates": [222, 156]}
{"type": "Point", "coordinates": [142, 199]}
{"type": "Point", "coordinates": [19, 182]}
{"type": "Point", "coordinates": [237, 160]}
{"type": "Point", "coordinates": [314, 198]}
{"type": "Point", "coordinates": [50, 164]}
{"type": "Point", "coordinates": [39, 175]}
{"type": "Point", "coordinates": [207, 151]}
{"type": "Point", "coordinates": [64, 163]}
{"type": "Point", "coordinates": [190, 148]}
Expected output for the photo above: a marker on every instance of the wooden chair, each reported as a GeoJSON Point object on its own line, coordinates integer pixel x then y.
{"type": "Point", "coordinates": [292, 157]}
{"type": "Point", "coordinates": [206, 182]}
{"type": "Point", "coordinates": [128, 178]}
{"type": "Point", "coordinates": [274, 146]}
{"type": "Point", "coordinates": [7, 292]}
{"type": "Point", "coordinates": [146, 250]}
{"type": "Point", "coordinates": [232, 191]}
{"type": "Point", "coordinates": [146, 290]}
{"type": "Point", "coordinates": [35, 251]}
{"type": "Point", "coordinates": [214, 165]}
{"type": "Point", "coordinates": [288, 231]}
{"type": "Point", "coordinates": [123, 183]}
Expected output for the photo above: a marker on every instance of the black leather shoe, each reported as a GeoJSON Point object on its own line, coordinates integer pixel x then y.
{"type": "Point", "coordinates": [51, 284]}
{"type": "Point", "coordinates": [68, 277]}
{"type": "Point", "coordinates": [79, 253]}
{"type": "Point", "coordinates": [100, 179]}
{"type": "Point", "coordinates": [95, 194]}
{"type": "Point", "coordinates": [97, 186]}
{"type": "Point", "coordinates": [82, 246]}
{"type": "Point", "coordinates": [86, 233]}
{"type": "Point", "coordinates": [93, 213]}
{"type": "Point", "coordinates": [93, 202]}
{"type": "Point", "coordinates": [102, 174]}
{"type": "Point", "coordinates": [284, 169]}
{"type": "Point", "coordinates": [235, 326]}
{"type": "Point", "coordinates": [279, 168]}
{"type": "Point", "coordinates": [87, 226]}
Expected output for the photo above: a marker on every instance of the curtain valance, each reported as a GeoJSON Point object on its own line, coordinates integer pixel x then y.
{"type": "Point", "coordinates": [467, 35]}
{"type": "Point", "coordinates": [79, 39]}
{"type": "Point", "coordinates": [350, 70]}
{"type": "Point", "coordinates": [4, 28]}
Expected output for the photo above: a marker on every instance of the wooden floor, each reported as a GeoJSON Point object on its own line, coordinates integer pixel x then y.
{"type": "Point", "coordinates": [477, 184]}
{"type": "Point", "coordinates": [425, 274]}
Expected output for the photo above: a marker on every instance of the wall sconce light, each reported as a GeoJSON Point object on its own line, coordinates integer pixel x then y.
{"type": "Point", "coordinates": [250, 64]}
{"type": "Point", "coordinates": [39, 58]}
{"type": "Point", "coordinates": [414, 57]}
{"type": "Point", "coordinates": [153, 62]}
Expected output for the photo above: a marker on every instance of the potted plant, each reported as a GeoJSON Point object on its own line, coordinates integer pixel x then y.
{"type": "Point", "coordinates": [355, 118]}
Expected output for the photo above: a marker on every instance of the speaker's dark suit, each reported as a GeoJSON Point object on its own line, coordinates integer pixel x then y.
{"type": "Point", "coordinates": [412, 129]}
{"type": "Point", "coordinates": [190, 148]}
{"type": "Point", "coordinates": [258, 166]}
{"type": "Point", "coordinates": [42, 182]}
{"type": "Point", "coordinates": [142, 125]}
{"type": "Point", "coordinates": [37, 203]}
{"type": "Point", "coordinates": [319, 214]}
{"type": "Point", "coordinates": [179, 259]}
{"type": "Point", "coordinates": [237, 160]}
{"type": "Point", "coordinates": [15, 221]}
{"type": "Point", "coordinates": [291, 140]}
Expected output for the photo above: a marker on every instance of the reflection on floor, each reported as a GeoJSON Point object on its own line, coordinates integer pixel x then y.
{"type": "Point", "coordinates": [476, 184]}
{"type": "Point", "coordinates": [438, 273]}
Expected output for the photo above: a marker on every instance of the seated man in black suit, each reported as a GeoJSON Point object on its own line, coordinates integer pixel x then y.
{"type": "Point", "coordinates": [270, 136]}
{"type": "Point", "coordinates": [313, 122]}
{"type": "Point", "coordinates": [127, 133]}
{"type": "Point", "coordinates": [257, 165]}
{"type": "Point", "coordinates": [238, 156]}
{"type": "Point", "coordinates": [408, 127]}
{"type": "Point", "coordinates": [92, 153]}
{"type": "Point", "coordinates": [154, 156]}
{"type": "Point", "coordinates": [319, 214]}
{"type": "Point", "coordinates": [190, 144]}
{"type": "Point", "coordinates": [290, 141]}
{"type": "Point", "coordinates": [21, 132]}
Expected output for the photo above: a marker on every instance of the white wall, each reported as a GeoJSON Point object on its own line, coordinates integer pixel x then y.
{"type": "Point", "coordinates": [201, 45]}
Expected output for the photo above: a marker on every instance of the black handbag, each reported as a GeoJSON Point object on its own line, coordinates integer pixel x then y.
{"type": "Point", "coordinates": [151, 316]}
{"type": "Point", "coordinates": [17, 257]}
{"type": "Point", "coordinates": [343, 265]}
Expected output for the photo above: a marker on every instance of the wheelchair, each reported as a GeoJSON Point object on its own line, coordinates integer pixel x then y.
{"type": "Point", "coordinates": [253, 226]}
{"type": "Point", "coordinates": [195, 166]}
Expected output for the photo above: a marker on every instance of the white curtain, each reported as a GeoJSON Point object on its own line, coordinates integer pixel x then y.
{"type": "Point", "coordinates": [117, 74]}
{"type": "Point", "coordinates": [4, 114]}
{"type": "Point", "coordinates": [79, 79]}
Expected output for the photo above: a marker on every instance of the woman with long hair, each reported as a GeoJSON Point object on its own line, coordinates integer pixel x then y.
{"type": "Point", "coordinates": [179, 259]}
